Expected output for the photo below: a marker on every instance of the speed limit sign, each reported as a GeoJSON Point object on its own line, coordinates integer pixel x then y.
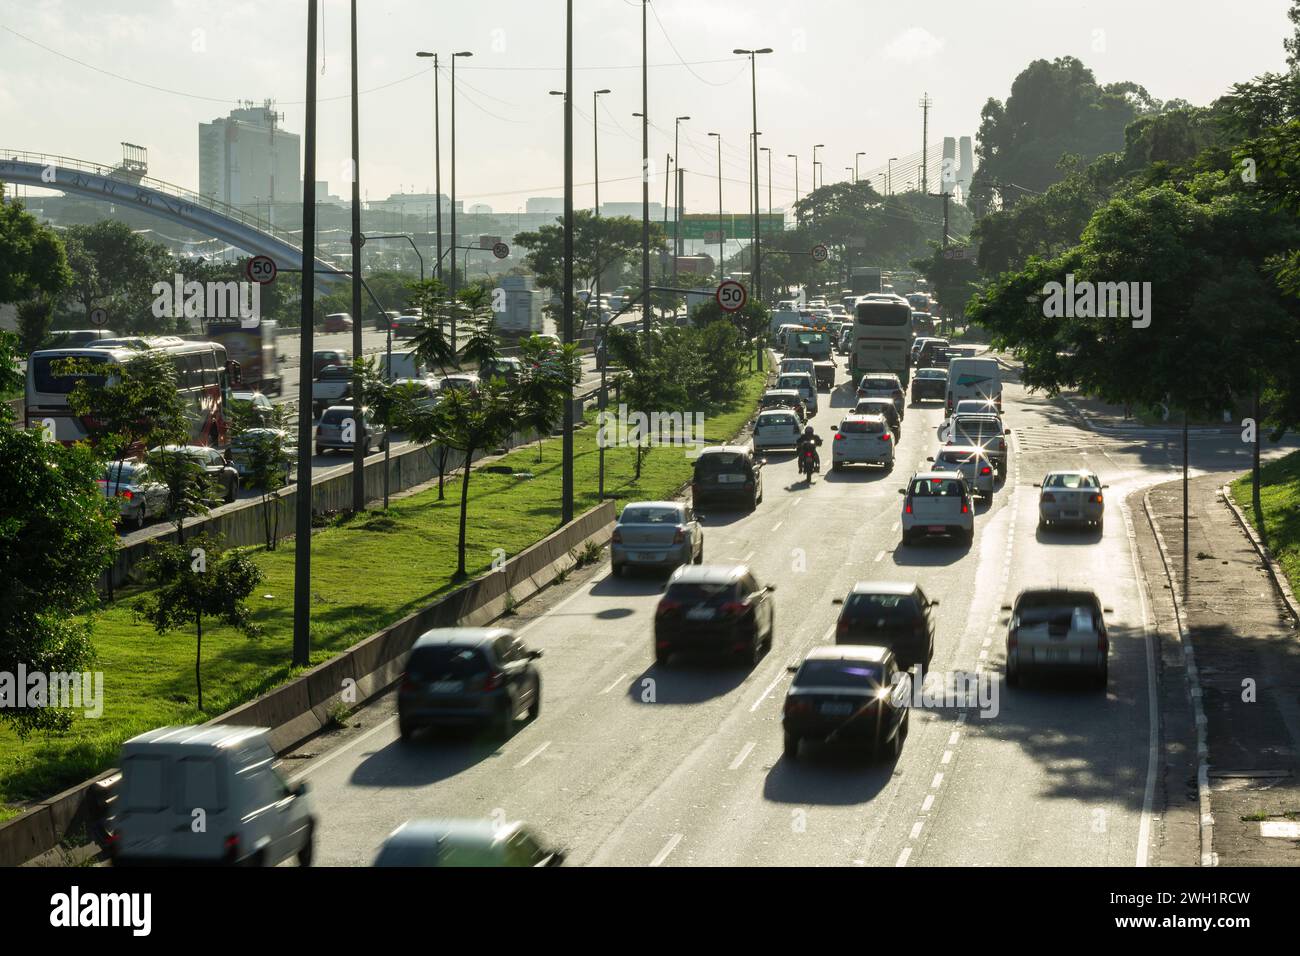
{"type": "Point", "coordinates": [819, 253]}
{"type": "Point", "coordinates": [98, 316]}
{"type": "Point", "coordinates": [261, 269]}
{"type": "Point", "coordinates": [500, 250]}
{"type": "Point", "coordinates": [731, 296]}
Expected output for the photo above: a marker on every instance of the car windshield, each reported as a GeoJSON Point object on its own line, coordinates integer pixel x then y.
{"type": "Point", "coordinates": [862, 428]}
{"type": "Point", "coordinates": [794, 381]}
{"type": "Point", "coordinates": [888, 607]}
{"type": "Point", "coordinates": [776, 421]}
{"type": "Point", "coordinates": [977, 432]}
{"type": "Point", "coordinates": [1059, 617]}
{"type": "Point", "coordinates": [446, 661]}
{"type": "Point", "coordinates": [728, 461]}
{"type": "Point", "coordinates": [1070, 481]}
{"type": "Point", "coordinates": [837, 674]}
{"type": "Point", "coordinates": [879, 384]}
{"type": "Point", "coordinates": [633, 515]}
{"type": "Point", "coordinates": [937, 488]}
{"type": "Point", "coordinates": [696, 591]}
{"type": "Point", "coordinates": [931, 373]}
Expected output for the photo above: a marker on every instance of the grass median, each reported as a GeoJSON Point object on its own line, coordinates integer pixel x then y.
{"type": "Point", "coordinates": [367, 572]}
{"type": "Point", "coordinates": [1279, 497]}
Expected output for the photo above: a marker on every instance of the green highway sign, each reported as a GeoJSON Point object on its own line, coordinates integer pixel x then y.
{"type": "Point", "coordinates": [735, 226]}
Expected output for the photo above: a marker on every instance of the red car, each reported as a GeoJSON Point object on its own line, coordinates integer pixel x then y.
{"type": "Point", "coordinates": [337, 322]}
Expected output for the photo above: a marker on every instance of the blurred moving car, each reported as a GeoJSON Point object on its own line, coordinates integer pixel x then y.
{"type": "Point", "coordinates": [468, 676]}
{"type": "Point", "coordinates": [465, 843]}
{"type": "Point", "coordinates": [337, 322]}
{"type": "Point", "coordinates": [778, 428]}
{"type": "Point", "coordinates": [1071, 497]}
{"type": "Point", "coordinates": [252, 816]}
{"type": "Point", "coordinates": [656, 534]}
{"type": "Point", "coordinates": [256, 406]}
{"type": "Point", "coordinates": [221, 473]}
{"type": "Point", "coordinates": [255, 445]}
{"type": "Point", "coordinates": [864, 440]}
{"type": "Point", "coordinates": [1058, 630]}
{"type": "Point", "coordinates": [937, 502]}
{"type": "Point", "coordinates": [714, 608]}
{"type": "Point", "coordinates": [729, 474]}
{"type": "Point", "coordinates": [890, 614]}
{"type": "Point", "coordinates": [139, 497]}
{"type": "Point", "coordinates": [881, 406]}
{"type": "Point", "coordinates": [883, 385]}
{"type": "Point", "coordinates": [331, 432]}
{"type": "Point", "coordinates": [852, 694]}
{"type": "Point", "coordinates": [929, 383]}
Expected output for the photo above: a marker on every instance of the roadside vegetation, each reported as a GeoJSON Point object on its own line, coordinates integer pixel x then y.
{"type": "Point", "coordinates": [1279, 498]}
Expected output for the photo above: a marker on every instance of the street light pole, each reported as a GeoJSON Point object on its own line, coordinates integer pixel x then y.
{"type": "Point", "coordinates": [602, 354]}
{"type": "Point", "coordinates": [566, 471]}
{"type": "Point", "coordinates": [855, 165]}
{"type": "Point", "coordinates": [645, 174]}
{"type": "Point", "coordinates": [795, 157]}
{"type": "Point", "coordinates": [722, 231]}
{"type": "Point", "coordinates": [758, 251]}
{"type": "Point", "coordinates": [889, 175]}
{"type": "Point", "coordinates": [437, 161]}
{"type": "Point", "coordinates": [360, 433]}
{"type": "Point", "coordinates": [677, 197]}
{"type": "Point", "coordinates": [454, 57]}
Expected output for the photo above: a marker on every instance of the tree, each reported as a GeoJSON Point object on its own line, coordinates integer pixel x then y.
{"type": "Point", "coordinates": [269, 456]}
{"type": "Point", "coordinates": [115, 269]}
{"type": "Point", "coordinates": [35, 317]}
{"type": "Point", "coordinates": [197, 581]}
{"type": "Point", "coordinates": [56, 541]}
{"type": "Point", "coordinates": [189, 487]}
{"type": "Point", "coordinates": [33, 261]}
{"type": "Point", "coordinates": [547, 378]}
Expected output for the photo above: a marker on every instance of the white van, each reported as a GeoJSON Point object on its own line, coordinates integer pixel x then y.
{"type": "Point", "coordinates": [973, 378]}
{"type": "Point", "coordinates": [207, 795]}
{"type": "Point", "coordinates": [405, 365]}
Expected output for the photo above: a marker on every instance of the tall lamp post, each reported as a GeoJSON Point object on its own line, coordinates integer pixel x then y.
{"type": "Point", "coordinates": [677, 197]}
{"type": "Point", "coordinates": [815, 148]}
{"type": "Point", "coordinates": [454, 57]}
{"type": "Point", "coordinates": [795, 157]}
{"type": "Point", "coordinates": [645, 173]}
{"type": "Point", "coordinates": [722, 230]}
{"type": "Point", "coordinates": [360, 436]}
{"type": "Point", "coordinates": [889, 175]}
{"type": "Point", "coordinates": [437, 161]}
{"type": "Point", "coordinates": [758, 256]}
{"type": "Point", "coordinates": [856, 157]}
{"type": "Point", "coordinates": [595, 142]}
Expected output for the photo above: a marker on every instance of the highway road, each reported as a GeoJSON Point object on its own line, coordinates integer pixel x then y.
{"type": "Point", "coordinates": [635, 764]}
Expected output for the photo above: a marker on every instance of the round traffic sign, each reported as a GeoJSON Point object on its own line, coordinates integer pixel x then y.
{"type": "Point", "coordinates": [731, 296]}
{"type": "Point", "coordinates": [820, 252]}
{"type": "Point", "coordinates": [500, 250]}
{"type": "Point", "coordinates": [261, 269]}
{"type": "Point", "coordinates": [98, 316]}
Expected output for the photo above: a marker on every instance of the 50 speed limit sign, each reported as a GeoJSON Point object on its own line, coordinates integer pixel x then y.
{"type": "Point", "coordinates": [731, 296]}
{"type": "Point", "coordinates": [261, 269]}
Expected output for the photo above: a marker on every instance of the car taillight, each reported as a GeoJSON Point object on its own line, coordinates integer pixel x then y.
{"type": "Point", "coordinates": [666, 605]}
{"type": "Point", "coordinates": [965, 509]}
{"type": "Point", "coordinates": [617, 536]}
{"type": "Point", "coordinates": [986, 470]}
{"type": "Point", "coordinates": [493, 680]}
{"type": "Point", "coordinates": [794, 707]}
{"type": "Point", "coordinates": [679, 537]}
{"type": "Point", "coordinates": [127, 494]}
{"type": "Point", "coordinates": [1096, 499]}
{"type": "Point", "coordinates": [839, 437]}
{"type": "Point", "coordinates": [1048, 496]}
{"type": "Point", "coordinates": [907, 506]}
{"type": "Point", "coordinates": [734, 607]}
{"type": "Point", "coordinates": [231, 848]}
{"type": "Point", "coordinates": [886, 436]}
{"type": "Point", "coordinates": [407, 684]}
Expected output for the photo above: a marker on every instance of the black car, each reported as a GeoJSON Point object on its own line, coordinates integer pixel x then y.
{"type": "Point", "coordinates": [728, 475]}
{"type": "Point", "coordinates": [933, 354]}
{"type": "Point", "coordinates": [881, 406]}
{"type": "Point", "coordinates": [717, 608]}
{"type": "Point", "coordinates": [929, 383]}
{"type": "Point", "coordinates": [891, 614]}
{"type": "Point", "coordinates": [848, 694]}
{"type": "Point", "coordinates": [468, 676]}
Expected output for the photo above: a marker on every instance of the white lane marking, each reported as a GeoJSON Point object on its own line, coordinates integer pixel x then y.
{"type": "Point", "coordinates": [903, 857]}
{"type": "Point", "coordinates": [880, 556]}
{"type": "Point", "coordinates": [745, 751]}
{"type": "Point", "coordinates": [797, 503]}
{"type": "Point", "coordinates": [927, 803]}
{"type": "Point", "coordinates": [617, 681]}
{"type": "Point", "coordinates": [535, 753]}
{"type": "Point", "coordinates": [916, 829]}
{"type": "Point", "coordinates": [346, 747]}
{"type": "Point", "coordinates": [1153, 713]}
{"type": "Point", "coordinates": [671, 845]}
{"type": "Point", "coordinates": [961, 718]}
{"type": "Point", "coordinates": [938, 779]}
{"type": "Point", "coordinates": [746, 558]}
{"type": "Point", "coordinates": [953, 737]}
{"type": "Point", "coordinates": [947, 757]}
{"type": "Point", "coordinates": [777, 525]}
{"type": "Point", "coordinates": [770, 687]}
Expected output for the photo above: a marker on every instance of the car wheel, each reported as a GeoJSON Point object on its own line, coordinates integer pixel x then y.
{"type": "Point", "coordinates": [969, 537]}
{"type": "Point", "coordinates": [907, 538]}
{"type": "Point", "coordinates": [1013, 677]}
{"type": "Point", "coordinates": [230, 491]}
{"type": "Point", "coordinates": [616, 570]}
{"type": "Point", "coordinates": [405, 730]}
{"type": "Point", "coordinates": [320, 450]}
{"type": "Point", "coordinates": [791, 747]}
{"type": "Point", "coordinates": [753, 502]}
{"type": "Point", "coordinates": [1042, 523]}
{"type": "Point", "coordinates": [662, 657]}
{"type": "Point", "coordinates": [308, 849]}
{"type": "Point", "coordinates": [896, 745]}
{"type": "Point", "coordinates": [140, 518]}
{"type": "Point", "coordinates": [1102, 679]}
{"type": "Point", "coordinates": [506, 721]}
{"type": "Point", "coordinates": [1099, 526]}
{"type": "Point", "coordinates": [756, 650]}
{"type": "Point", "coordinates": [836, 465]}
{"type": "Point", "coordinates": [535, 708]}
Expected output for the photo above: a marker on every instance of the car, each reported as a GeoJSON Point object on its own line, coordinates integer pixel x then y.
{"type": "Point", "coordinates": [718, 608]}
{"type": "Point", "coordinates": [853, 694]}
{"type": "Point", "coordinates": [976, 406]}
{"type": "Point", "coordinates": [465, 843]}
{"type": "Point", "coordinates": [330, 430]}
{"type": "Point", "coordinates": [971, 462]}
{"type": "Point", "coordinates": [1071, 497]}
{"type": "Point", "coordinates": [330, 387]}
{"type": "Point", "coordinates": [978, 378]}
{"type": "Point", "coordinates": [984, 432]}
{"type": "Point", "coordinates": [220, 472]}
{"type": "Point", "coordinates": [405, 326]}
{"type": "Point", "coordinates": [337, 322]}
{"type": "Point", "coordinates": [778, 428]}
{"type": "Point", "coordinates": [881, 406]}
{"type": "Point", "coordinates": [937, 502]}
{"type": "Point", "coordinates": [254, 405]}
{"type": "Point", "coordinates": [1057, 630]}
{"type": "Point", "coordinates": [862, 439]}
{"type": "Point", "coordinates": [729, 474]}
{"type": "Point", "coordinates": [481, 677]}
{"type": "Point", "coordinates": [891, 614]}
{"type": "Point", "coordinates": [844, 341]}
{"type": "Point", "coordinates": [932, 354]}
{"type": "Point", "coordinates": [77, 338]}
{"type": "Point", "coordinates": [784, 398]}
{"type": "Point", "coordinates": [323, 358]}
{"type": "Point", "coordinates": [507, 368]}
{"type": "Point", "coordinates": [929, 383]}
{"type": "Point", "coordinates": [656, 534]}
{"type": "Point", "coordinates": [461, 381]}
{"type": "Point", "coordinates": [789, 365]}
{"type": "Point", "coordinates": [251, 815]}
{"type": "Point", "coordinates": [883, 385]}
{"type": "Point", "coordinates": [250, 444]}
{"type": "Point", "coordinates": [139, 497]}
{"type": "Point", "coordinates": [805, 384]}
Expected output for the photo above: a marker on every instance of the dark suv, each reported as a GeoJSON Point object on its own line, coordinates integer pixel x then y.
{"type": "Point", "coordinates": [847, 695]}
{"type": "Point", "coordinates": [889, 614]}
{"type": "Point", "coordinates": [468, 676]}
{"type": "Point", "coordinates": [728, 474]}
{"type": "Point", "coordinates": [720, 608]}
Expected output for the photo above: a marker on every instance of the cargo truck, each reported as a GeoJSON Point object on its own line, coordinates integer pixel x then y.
{"type": "Point", "coordinates": [254, 349]}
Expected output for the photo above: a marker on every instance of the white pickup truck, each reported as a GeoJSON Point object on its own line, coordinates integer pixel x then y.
{"type": "Point", "coordinates": [330, 387]}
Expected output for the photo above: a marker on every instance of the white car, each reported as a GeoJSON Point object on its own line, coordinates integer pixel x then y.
{"type": "Point", "coordinates": [1071, 497]}
{"type": "Point", "coordinates": [937, 502]}
{"type": "Point", "coordinates": [883, 385]}
{"type": "Point", "coordinates": [862, 439]}
{"type": "Point", "coordinates": [1057, 629]}
{"type": "Point", "coordinates": [804, 384]}
{"type": "Point", "coordinates": [777, 429]}
{"type": "Point", "coordinates": [789, 365]}
{"type": "Point", "coordinates": [971, 462]}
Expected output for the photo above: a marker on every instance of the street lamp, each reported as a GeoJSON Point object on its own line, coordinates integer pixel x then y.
{"type": "Point", "coordinates": [758, 259]}
{"type": "Point", "coordinates": [795, 157]}
{"type": "Point", "coordinates": [722, 254]}
{"type": "Point", "coordinates": [855, 165]}
{"type": "Point", "coordinates": [815, 148]}
{"type": "Point", "coordinates": [677, 198]}
{"type": "Point", "coordinates": [889, 175]}
{"type": "Point", "coordinates": [437, 160]}
{"type": "Point", "coordinates": [454, 57]}
{"type": "Point", "coordinates": [768, 150]}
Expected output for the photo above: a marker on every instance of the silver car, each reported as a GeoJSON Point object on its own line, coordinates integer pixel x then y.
{"type": "Point", "coordinates": [330, 432]}
{"type": "Point", "coordinates": [465, 843]}
{"type": "Point", "coordinates": [779, 428]}
{"type": "Point", "coordinates": [139, 497]}
{"type": "Point", "coordinates": [656, 534]}
{"type": "Point", "coordinates": [1057, 629]}
{"type": "Point", "coordinates": [1071, 497]}
{"type": "Point", "coordinates": [971, 462]}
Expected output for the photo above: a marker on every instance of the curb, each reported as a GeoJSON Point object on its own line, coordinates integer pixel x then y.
{"type": "Point", "coordinates": [1274, 569]}
{"type": "Point", "coordinates": [1206, 819]}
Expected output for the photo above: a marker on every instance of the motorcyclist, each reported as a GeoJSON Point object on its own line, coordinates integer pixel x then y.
{"type": "Point", "coordinates": [809, 440]}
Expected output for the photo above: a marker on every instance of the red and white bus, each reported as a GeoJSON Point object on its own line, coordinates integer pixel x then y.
{"type": "Point", "coordinates": [203, 377]}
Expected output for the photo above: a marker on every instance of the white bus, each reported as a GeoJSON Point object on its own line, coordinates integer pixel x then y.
{"type": "Point", "coordinates": [202, 377]}
{"type": "Point", "coordinates": [882, 338]}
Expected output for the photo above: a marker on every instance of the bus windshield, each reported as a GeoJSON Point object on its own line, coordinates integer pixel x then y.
{"type": "Point", "coordinates": [884, 313]}
{"type": "Point", "coordinates": [46, 369]}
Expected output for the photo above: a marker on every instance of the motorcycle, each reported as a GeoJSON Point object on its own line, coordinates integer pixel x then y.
{"type": "Point", "coordinates": [807, 464]}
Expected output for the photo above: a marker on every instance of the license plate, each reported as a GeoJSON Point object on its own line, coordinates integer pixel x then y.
{"type": "Point", "coordinates": [1069, 514]}
{"type": "Point", "coordinates": [644, 556]}
{"type": "Point", "coordinates": [448, 686]}
{"type": "Point", "coordinates": [837, 710]}
{"type": "Point", "coordinates": [936, 527]}
{"type": "Point", "coordinates": [730, 479]}
{"type": "Point", "coordinates": [700, 614]}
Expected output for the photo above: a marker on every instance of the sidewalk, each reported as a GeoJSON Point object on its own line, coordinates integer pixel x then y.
{"type": "Point", "coordinates": [1247, 662]}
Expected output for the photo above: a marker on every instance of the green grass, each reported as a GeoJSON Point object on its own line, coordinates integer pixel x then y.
{"type": "Point", "coordinates": [1279, 496]}
{"type": "Point", "coordinates": [366, 574]}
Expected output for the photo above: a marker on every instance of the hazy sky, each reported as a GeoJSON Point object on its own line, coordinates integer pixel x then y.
{"type": "Point", "coordinates": [847, 74]}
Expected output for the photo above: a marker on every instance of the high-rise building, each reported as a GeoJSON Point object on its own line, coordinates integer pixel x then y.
{"type": "Point", "coordinates": [967, 165]}
{"type": "Point", "coordinates": [542, 205]}
{"type": "Point", "coordinates": [247, 160]}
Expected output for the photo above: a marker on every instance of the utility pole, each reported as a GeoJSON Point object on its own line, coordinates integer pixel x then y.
{"type": "Point", "coordinates": [437, 163]}
{"type": "Point", "coordinates": [795, 157]}
{"type": "Point", "coordinates": [566, 471]}
{"type": "Point", "coordinates": [722, 229]}
{"type": "Point", "coordinates": [302, 496]}
{"type": "Point", "coordinates": [645, 174]}
{"type": "Point", "coordinates": [925, 103]}
{"type": "Point", "coordinates": [677, 196]}
{"type": "Point", "coordinates": [360, 433]}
